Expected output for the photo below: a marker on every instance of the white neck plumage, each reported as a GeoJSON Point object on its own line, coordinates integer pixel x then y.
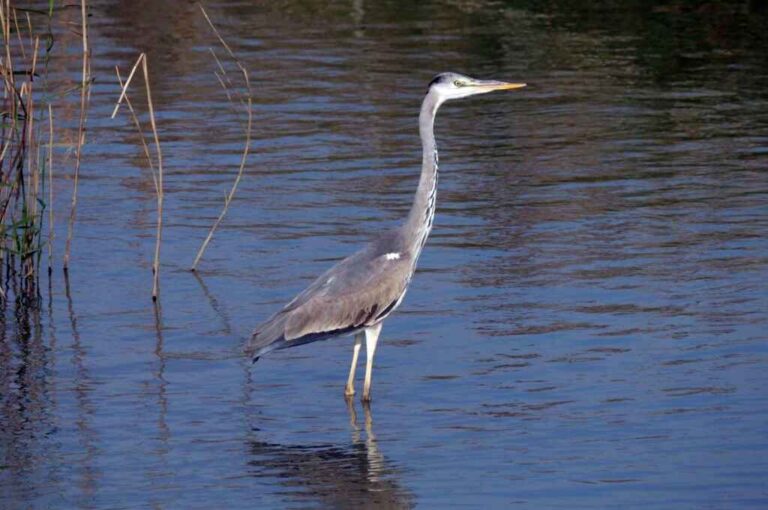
{"type": "Point", "coordinates": [419, 222]}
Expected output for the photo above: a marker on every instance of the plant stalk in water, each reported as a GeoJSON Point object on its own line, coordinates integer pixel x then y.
{"type": "Point", "coordinates": [157, 176]}
{"type": "Point", "coordinates": [249, 127]}
{"type": "Point", "coordinates": [85, 96]}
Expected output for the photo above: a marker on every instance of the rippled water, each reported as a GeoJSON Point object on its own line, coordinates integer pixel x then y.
{"type": "Point", "coordinates": [588, 325]}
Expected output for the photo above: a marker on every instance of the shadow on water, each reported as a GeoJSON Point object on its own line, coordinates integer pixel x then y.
{"type": "Point", "coordinates": [24, 392]}
{"type": "Point", "coordinates": [28, 369]}
{"type": "Point", "coordinates": [160, 390]}
{"type": "Point", "coordinates": [356, 475]}
{"type": "Point", "coordinates": [214, 304]}
{"type": "Point", "coordinates": [85, 408]}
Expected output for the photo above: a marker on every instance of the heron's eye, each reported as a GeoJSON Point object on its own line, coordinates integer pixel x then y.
{"type": "Point", "coordinates": [458, 83]}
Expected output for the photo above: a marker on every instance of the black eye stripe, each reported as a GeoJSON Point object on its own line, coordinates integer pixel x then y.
{"type": "Point", "coordinates": [446, 79]}
{"type": "Point", "coordinates": [437, 79]}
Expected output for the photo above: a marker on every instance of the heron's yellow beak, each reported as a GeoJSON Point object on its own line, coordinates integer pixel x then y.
{"type": "Point", "coordinates": [490, 85]}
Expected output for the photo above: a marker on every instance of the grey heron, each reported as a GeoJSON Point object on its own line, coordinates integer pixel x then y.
{"type": "Point", "coordinates": [359, 292]}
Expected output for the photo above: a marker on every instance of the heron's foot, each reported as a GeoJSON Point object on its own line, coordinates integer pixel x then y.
{"type": "Point", "coordinates": [366, 398]}
{"type": "Point", "coordinates": [349, 391]}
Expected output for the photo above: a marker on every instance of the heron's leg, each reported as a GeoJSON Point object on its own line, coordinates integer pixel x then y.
{"type": "Point", "coordinates": [350, 388]}
{"type": "Point", "coordinates": [371, 338]}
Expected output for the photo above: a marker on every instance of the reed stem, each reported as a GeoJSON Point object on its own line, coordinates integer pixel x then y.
{"type": "Point", "coordinates": [85, 95]}
{"type": "Point", "coordinates": [159, 190]}
{"type": "Point", "coordinates": [157, 174]}
{"type": "Point", "coordinates": [248, 133]}
{"type": "Point", "coordinates": [50, 189]}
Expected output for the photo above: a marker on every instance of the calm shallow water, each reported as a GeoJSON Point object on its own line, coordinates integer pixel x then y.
{"type": "Point", "coordinates": [588, 325]}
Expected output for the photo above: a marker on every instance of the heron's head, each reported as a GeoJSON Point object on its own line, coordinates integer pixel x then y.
{"type": "Point", "coordinates": [454, 86]}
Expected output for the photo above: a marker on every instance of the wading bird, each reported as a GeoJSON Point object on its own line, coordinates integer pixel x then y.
{"type": "Point", "coordinates": [358, 293]}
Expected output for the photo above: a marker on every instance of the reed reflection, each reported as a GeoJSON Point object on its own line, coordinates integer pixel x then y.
{"type": "Point", "coordinates": [25, 416]}
{"type": "Point", "coordinates": [356, 475]}
{"type": "Point", "coordinates": [163, 430]}
{"type": "Point", "coordinates": [83, 385]}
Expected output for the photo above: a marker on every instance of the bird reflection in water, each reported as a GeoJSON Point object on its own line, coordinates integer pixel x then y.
{"type": "Point", "coordinates": [334, 476]}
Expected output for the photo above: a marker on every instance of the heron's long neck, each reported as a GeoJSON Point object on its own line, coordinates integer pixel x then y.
{"type": "Point", "coordinates": [422, 213]}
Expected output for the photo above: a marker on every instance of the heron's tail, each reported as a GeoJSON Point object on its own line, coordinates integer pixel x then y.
{"type": "Point", "coordinates": [271, 335]}
{"type": "Point", "coordinates": [267, 337]}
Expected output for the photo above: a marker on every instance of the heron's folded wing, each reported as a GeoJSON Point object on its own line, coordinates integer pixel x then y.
{"type": "Point", "coordinates": [349, 296]}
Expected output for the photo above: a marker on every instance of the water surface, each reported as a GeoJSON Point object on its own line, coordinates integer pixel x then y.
{"type": "Point", "coordinates": [587, 328]}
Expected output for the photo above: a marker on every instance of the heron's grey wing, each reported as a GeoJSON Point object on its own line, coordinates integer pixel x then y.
{"type": "Point", "coordinates": [353, 296]}
{"type": "Point", "coordinates": [357, 292]}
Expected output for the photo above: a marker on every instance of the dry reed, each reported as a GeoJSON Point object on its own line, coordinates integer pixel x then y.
{"type": "Point", "coordinates": [157, 174]}
{"type": "Point", "coordinates": [85, 96]}
{"type": "Point", "coordinates": [50, 189]}
{"type": "Point", "coordinates": [20, 162]}
{"type": "Point", "coordinates": [139, 130]}
{"type": "Point", "coordinates": [248, 130]}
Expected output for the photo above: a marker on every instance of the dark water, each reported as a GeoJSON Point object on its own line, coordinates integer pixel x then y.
{"type": "Point", "coordinates": [588, 326]}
